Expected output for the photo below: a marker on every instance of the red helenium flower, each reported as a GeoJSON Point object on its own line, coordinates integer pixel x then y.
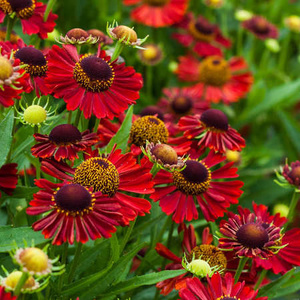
{"type": "Point", "coordinates": [31, 14]}
{"type": "Point", "coordinates": [73, 207]}
{"type": "Point", "coordinates": [92, 83]}
{"type": "Point", "coordinates": [6, 296]}
{"type": "Point", "coordinates": [8, 178]}
{"type": "Point", "coordinates": [197, 181]}
{"type": "Point", "coordinates": [157, 13]}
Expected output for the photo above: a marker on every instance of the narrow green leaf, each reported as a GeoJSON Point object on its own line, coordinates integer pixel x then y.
{"type": "Point", "coordinates": [9, 236]}
{"type": "Point", "coordinates": [6, 127]}
{"type": "Point", "coordinates": [121, 137]}
{"type": "Point", "coordinates": [138, 281]}
{"type": "Point", "coordinates": [22, 192]}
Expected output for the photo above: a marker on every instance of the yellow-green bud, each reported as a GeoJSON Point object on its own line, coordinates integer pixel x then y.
{"type": "Point", "coordinates": [6, 68]}
{"type": "Point", "coordinates": [35, 114]}
{"type": "Point", "coordinates": [199, 267]}
{"type": "Point", "coordinates": [272, 45]}
{"type": "Point", "coordinates": [282, 209]}
{"type": "Point", "coordinates": [243, 15]}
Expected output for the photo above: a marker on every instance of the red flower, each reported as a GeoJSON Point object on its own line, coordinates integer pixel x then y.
{"type": "Point", "coordinates": [6, 296]}
{"type": "Point", "coordinates": [198, 181]}
{"type": "Point", "coordinates": [217, 80]}
{"type": "Point", "coordinates": [205, 38]}
{"type": "Point", "coordinates": [71, 204]}
{"type": "Point", "coordinates": [92, 82]}
{"type": "Point", "coordinates": [8, 178]}
{"type": "Point", "coordinates": [178, 102]}
{"type": "Point", "coordinates": [157, 13]}
{"type": "Point", "coordinates": [31, 14]}
{"type": "Point", "coordinates": [217, 289]}
{"type": "Point", "coordinates": [63, 142]}
{"type": "Point", "coordinates": [112, 175]}
{"type": "Point", "coordinates": [251, 234]}
{"type": "Point", "coordinates": [292, 173]}
{"type": "Point", "coordinates": [261, 28]}
{"type": "Point", "coordinates": [212, 130]}
{"type": "Point", "coordinates": [12, 79]}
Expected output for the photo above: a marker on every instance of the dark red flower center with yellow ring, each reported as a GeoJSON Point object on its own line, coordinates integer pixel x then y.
{"type": "Point", "coordinates": [194, 179]}
{"type": "Point", "coordinates": [99, 173]}
{"type": "Point", "coordinates": [148, 128]}
{"type": "Point", "coordinates": [156, 2]}
{"type": "Point", "coordinates": [65, 134]}
{"type": "Point", "coordinates": [181, 105]}
{"type": "Point", "coordinates": [94, 73]}
{"type": "Point", "coordinates": [214, 70]}
{"type": "Point", "coordinates": [23, 8]}
{"type": "Point", "coordinates": [35, 60]}
{"type": "Point", "coordinates": [202, 30]}
{"type": "Point", "coordinates": [215, 120]}
{"type": "Point", "coordinates": [74, 199]}
{"type": "Point", "coordinates": [252, 235]}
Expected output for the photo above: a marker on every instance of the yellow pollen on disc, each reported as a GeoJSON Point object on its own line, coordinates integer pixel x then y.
{"type": "Point", "coordinates": [35, 114]}
{"type": "Point", "coordinates": [214, 71]}
{"type": "Point", "coordinates": [149, 53]}
{"type": "Point", "coordinates": [191, 188]}
{"type": "Point", "coordinates": [13, 278]}
{"type": "Point", "coordinates": [99, 173]}
{"type": "Point", "coordinates": [6, 68]}
{"type": "Point", "coordinates": [198, 35]}
{"type": "Point", "coordinates": [148, 128]}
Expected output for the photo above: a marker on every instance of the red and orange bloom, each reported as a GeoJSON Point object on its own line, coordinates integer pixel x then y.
{"type": "Point", "coordinates": [212, 130]}
{"type": "Point", "coordinates": [73, 207]}
{"type": "Point", "coordinates": [12, 79]}
{"type": "Point", "coordinates": [217, 289]}
{"type": "Point", "coordinates": [31, 14]}
{"type": "Point", "coordinates": [92, 83]}
{"type": "Point", "coordinates": [197, 181]}
{"type": "Point", "coordinates": [292, 173]}
{"type": "Point", "coordinates": [113, 175]}
{"type": "Point", "coordinates": [177, 102]}
{"type": "Point", "coordinates": [6, 296]}
{"type": "Point", "coordinates": [63, 142]}
{"type": "Point", "coordinates": [205, 38]}
{"type": "Point", "coordinates": [157, 13]}
{"type": "Point", "coordinates": [216, 79]}
{"type": "Point", "coordinates": [261, 28]}
{"type": "Point", "coordinates": [249, 234]}
{"type": "Point", "coordinates": [8, 178]}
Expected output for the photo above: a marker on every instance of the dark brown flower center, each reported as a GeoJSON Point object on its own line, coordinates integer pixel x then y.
{"type": "Point", "coordinates": [73, 198]}
{"type": "Point", "coordinates": [214, 119]}
{"type": "Point", "coordinates": [215, 71]}
{"type": "Point", "coordinates": [94, 73]}
{"type": "Point", "coordinates": [202, 30]}
{"type": "Point", "coordinates": [181, 105]}
{"type": "Point", "coordinates": [77, 33]}
{"type": "Point", "coordinates": [99, 173]}
{"type": "Point", "coordinates": [65, 134]}
{"type": "Point", "coordinates": [23, 8]}
{"type": "Point", "coordinates": [252, 235]}
{"type": "Point", "coordinates": [194, 179]}
{"type": "Point", "coordinates": [165, 153]}
{"type": "Point", "coordinates": [151, 111]}
{"type": "Point", "coordinates": [34, 58]}
{"type": "Point", "coordinates": [148, 128]}
{"type": "Point", "coordinates": [295, 173]}
{"type": "Point", "coordinates": [156, 2]}
{"type": "Point", "coordinates": [261, 25]}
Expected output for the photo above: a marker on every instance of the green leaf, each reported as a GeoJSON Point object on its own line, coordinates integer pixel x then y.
{"type": "Point", "coordinates": [87, 284]}
{"type": "Point", "coordinates": [121, 137]}
{"type": "Point", "coordinates": [10, 236]}
{"type": "Point", "coordinates": [278, 96]}
{"type": "Point", "coordinates": [24, 192]}
{"type": "Point", "coordinates": [6, 127]}
{"type": "Point", "coordinates": [138, 281]}
{"type": "Point", "coordinates": [284, 285]}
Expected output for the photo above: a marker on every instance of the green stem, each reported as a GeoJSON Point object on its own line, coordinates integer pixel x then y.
{"type": "Point", "coordinates": [9, 27]}
{"type": "Point", "coordinates": [264, 60]}
{"type": "Point", "coordinates": [97, 122]}
{"type": "Point", "coordinates": [50, 5]}
{"type": "Point", "coordinates": [284, 52]}
{"type": "Point", "coordinates": [78, 114]}
{"type": "Point", "coordinates": [21, 283]}
{"type": "Point", "coordinates": [115, 247]}
{"type": "Point", "coordinates": [149, 79]}
{"type": "Point", "coordinates": [262, 275]}
{"type": "Point", "coordinates": [292, 207]}
{"type": "Point", "coordinates": [63, 261]}
{"type": "Point", "coordinates": [118, 49]}
{"type": "Point", "coordinates": [75, 262]}
{"type": "Point", "coordinates": [252, 48]}
{"type": "Point", "coordinates": [239, 42]}
{"type": "Point", "coordinates": [213, 228]}
{"type": "Point", "coordinates": [127, 236]}
{"type": "Point", "coordinates": [169, 241]}
{"type": "Point", "coordinates": [70, 117]}
{"type": "Point", "coordinates": [240, 268]}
